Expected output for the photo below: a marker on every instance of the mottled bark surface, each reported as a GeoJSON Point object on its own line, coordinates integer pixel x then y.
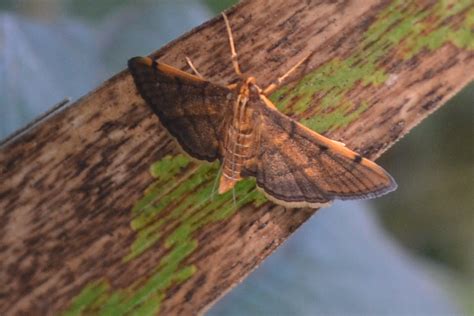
{"type": "Point", "coordinates": [100, 213]}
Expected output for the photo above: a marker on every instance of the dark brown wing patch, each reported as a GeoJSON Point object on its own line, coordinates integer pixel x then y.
{"type": "Point", "coordinates": [192, 109]}
{"type": "Point", "coordinates": [297, 166]}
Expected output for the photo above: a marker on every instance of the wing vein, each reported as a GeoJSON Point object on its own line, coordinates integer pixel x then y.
{"type": "Point", "coordinates": [343, 165]}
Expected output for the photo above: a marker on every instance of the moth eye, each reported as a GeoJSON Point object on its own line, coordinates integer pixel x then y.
{"type": "Point", "coordinates": [229, 96]}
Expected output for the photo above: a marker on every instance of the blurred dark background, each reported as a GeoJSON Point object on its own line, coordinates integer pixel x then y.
{"type": "Point", "coordinates": [410, 252]}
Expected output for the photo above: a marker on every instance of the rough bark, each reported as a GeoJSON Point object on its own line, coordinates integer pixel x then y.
{"type": "Point", "coordinates": [99, 212]}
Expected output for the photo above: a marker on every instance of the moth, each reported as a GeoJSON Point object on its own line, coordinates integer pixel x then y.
{"type": "Point", "coordinates": [238, 125]}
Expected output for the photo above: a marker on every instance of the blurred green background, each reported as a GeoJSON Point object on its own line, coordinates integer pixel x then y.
{"type": "Point", "coordinates": [56, 48]}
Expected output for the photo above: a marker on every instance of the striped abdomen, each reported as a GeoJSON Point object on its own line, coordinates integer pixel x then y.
{"type": "Point", "coordinates": [238, 145]}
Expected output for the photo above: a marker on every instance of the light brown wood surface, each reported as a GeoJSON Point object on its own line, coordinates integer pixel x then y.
{"type": "Point", "coordinates": [69, 183]}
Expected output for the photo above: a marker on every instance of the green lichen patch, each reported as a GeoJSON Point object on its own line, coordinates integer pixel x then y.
{"type": "Point", "coordinates": [404, 29]}
{"type": "Point", "coordinates": [185, 204]}
{"type": "Point", "coordinates": [88, 298]}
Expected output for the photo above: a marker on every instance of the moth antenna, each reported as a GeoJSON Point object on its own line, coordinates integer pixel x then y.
{"type": "Point", "coordinates": [190, 63]}
{"type": "Point", "coordinates": [235, 62]}
{"type": "Point", "coordinates": [274, 85]}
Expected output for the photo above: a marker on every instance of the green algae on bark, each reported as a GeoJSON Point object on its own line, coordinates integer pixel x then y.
{"type": "Point", "coordinates": [197, 206]}
{"type": "Point", "coordinates": [403, 28]}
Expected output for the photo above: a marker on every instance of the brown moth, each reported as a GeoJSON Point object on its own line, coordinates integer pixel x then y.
{"type": "Point", "coordinates": [239, 125]}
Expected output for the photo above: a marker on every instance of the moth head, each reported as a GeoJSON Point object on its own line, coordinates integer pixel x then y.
{"type": "Point", "coordinates": [249, 87]}
{"type": "Point", "coordinates": [254, 89]}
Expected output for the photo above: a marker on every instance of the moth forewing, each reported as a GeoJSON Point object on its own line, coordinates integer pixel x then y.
{"type": "Point", "coordinates": [354, 160]}
{"type": "Point", "coordinates": [190, 108]}
{"type": "Point", "coordinates": [297, 166]}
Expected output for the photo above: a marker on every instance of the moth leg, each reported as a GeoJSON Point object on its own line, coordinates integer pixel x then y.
{"type": "Point", "coordinates": [274, 85]}
{"type": "Point", "coordinates": [216, 180]}
{"type": "Point", "coordinates": [267, 101]}
{"type": "Point", "coordinates": [339, 143]}
{"type": "Point", "coordinates": [232, 86]}
{"type": "Point", "coordinates": [235, 62]}
{"type": "Point", "coordinates": [190, 63]}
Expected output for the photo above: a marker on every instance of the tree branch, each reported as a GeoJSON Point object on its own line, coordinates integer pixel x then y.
{"type": "Point", "coordinates": [101, 213]}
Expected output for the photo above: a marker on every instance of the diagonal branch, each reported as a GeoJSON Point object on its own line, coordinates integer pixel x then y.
{"type": "Point", "coordinates": [99, 212]}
